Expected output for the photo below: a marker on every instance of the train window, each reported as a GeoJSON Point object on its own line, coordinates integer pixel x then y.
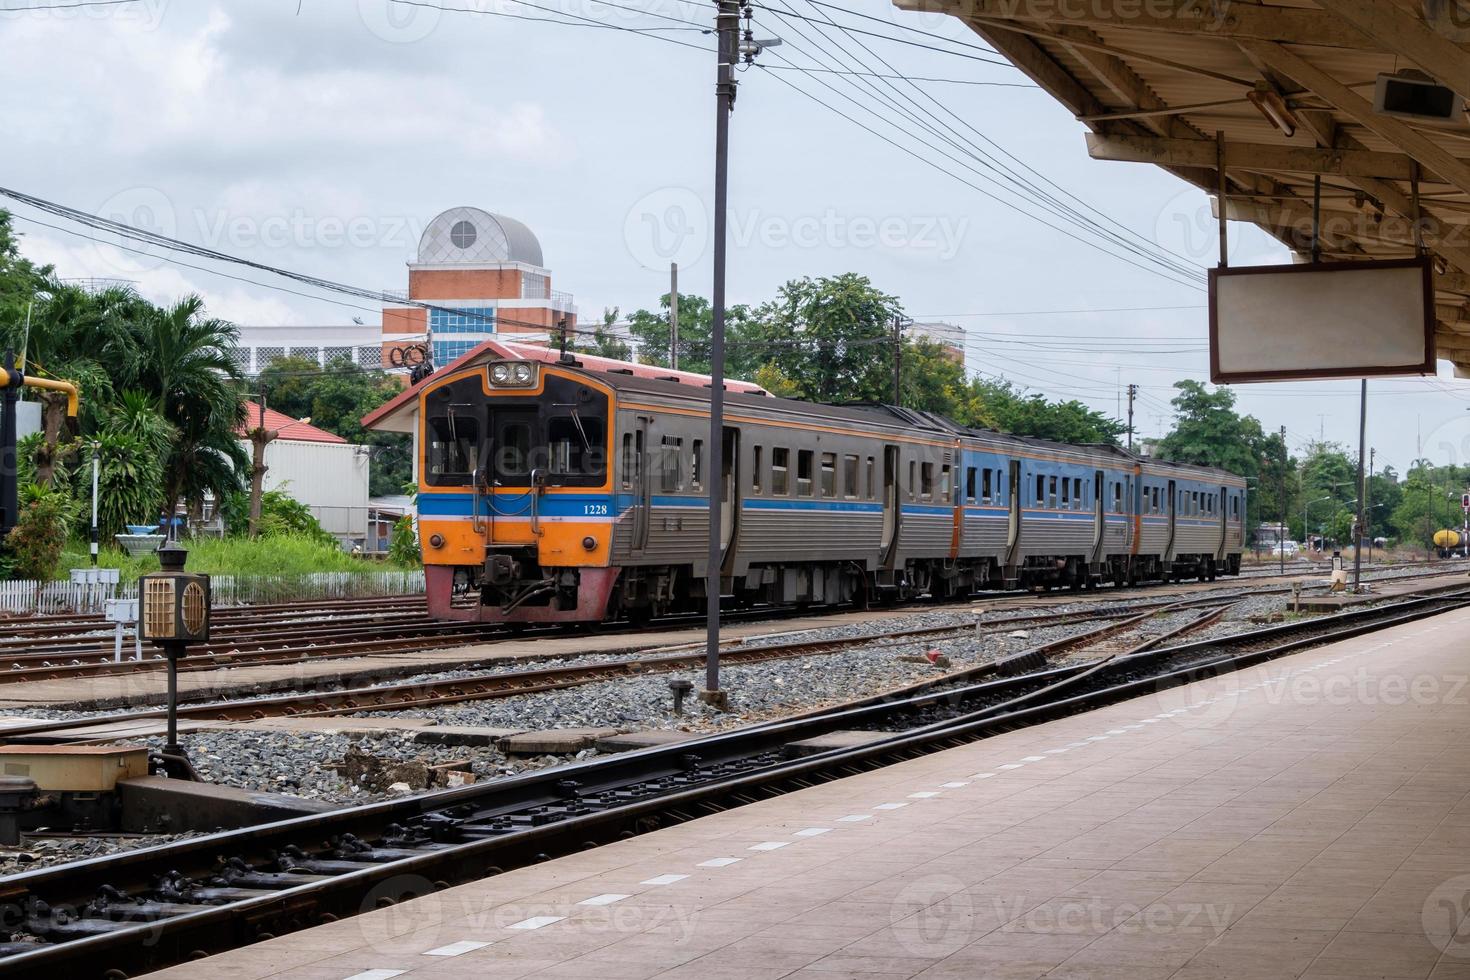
{"type": "Point", "coordinates": [984, 485]}
{"type": "Point", "coordinates": [755, 469]}
{"type": "Point", "coordinates": [926, 481]}
{"type": "Point", "coordinates": [453, 450]}
{"type": "Point", "coordinates": [628, 463]}
{"type": "Point", "coordinates": [1077, 497]}
{"type": "Point", "coordinates": [971, 477]}
{"type": "Point", "coordinates": [1066, 494]}
{"type": "Point", "coordinates": [1051, 492]}
{"type": "Point", "coordinates": [913, 483]}
{"type": "Point", "coordinates": [780, 485]}
{"type": "Point", "coordinates": [1234, 505]}
{"type": "Point", "coordinates": [946, 487]}
{"type": "Point", "coordinates": [576, 445]}
{"type": "Point", "coordinates": [1041, 491]}
{"type": "Point", "coordinates": [1117, 498]}
{"type": "Point", "coordinates": [999, 493]}
{"type": "Point", "coordinates": [850, 486]}
{"type": "Point", "coordinates": [872, 489]}
{"type": "Point", "coordinates": [671, 457]}
{"type": "Point", "coordinates": [696, 465]}
{"type": "Point", "coordinates": [829, 474]}
{"type": "Point", "coordinates": [804, 472]}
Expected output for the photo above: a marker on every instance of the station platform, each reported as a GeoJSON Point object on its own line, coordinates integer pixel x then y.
{"type": "Point", "coordinates": [1303, 818]}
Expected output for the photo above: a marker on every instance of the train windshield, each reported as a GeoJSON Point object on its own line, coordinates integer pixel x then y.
{"type": "Point", "coordinates": [561, 435]}
{"type": "Point", "coordinates": [454, 447]}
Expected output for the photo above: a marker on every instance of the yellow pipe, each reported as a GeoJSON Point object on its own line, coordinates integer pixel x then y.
{"type": "Point", "coordinates": [73, 397]}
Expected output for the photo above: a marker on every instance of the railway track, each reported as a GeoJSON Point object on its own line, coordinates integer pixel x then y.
{"type": "Point", "coordinates": [120, 915]}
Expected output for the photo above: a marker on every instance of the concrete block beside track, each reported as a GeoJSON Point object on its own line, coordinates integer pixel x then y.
{"type": "Point", "coordinates": [154, 803]}
{"type": "Point", "coordinates": [554, 741]}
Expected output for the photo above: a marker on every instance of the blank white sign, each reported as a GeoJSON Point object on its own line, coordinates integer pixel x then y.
{"type": "Point", "coordinates": [1328, 320]}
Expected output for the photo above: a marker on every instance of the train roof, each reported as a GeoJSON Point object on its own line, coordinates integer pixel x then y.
{"type": "Point", "coordinates": [665, 383]}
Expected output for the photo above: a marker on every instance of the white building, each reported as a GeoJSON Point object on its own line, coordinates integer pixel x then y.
{"type": "Point", "coordinates": [321, 470]}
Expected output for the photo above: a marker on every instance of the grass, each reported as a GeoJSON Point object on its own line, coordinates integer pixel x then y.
{"type": "Point", "coordinates": [275, 555]}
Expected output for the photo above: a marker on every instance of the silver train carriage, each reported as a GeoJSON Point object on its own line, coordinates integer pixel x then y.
{"type": "Point", "coordinates": [548, 493]}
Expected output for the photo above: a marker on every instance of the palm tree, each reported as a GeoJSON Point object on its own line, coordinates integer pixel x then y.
{"type": "Point", "coordinates": [187, 365]}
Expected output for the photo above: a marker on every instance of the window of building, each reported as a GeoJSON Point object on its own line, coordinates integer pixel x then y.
{"type": "Point", "coordinates": [850, 486]}
{"type": "Point", "coordinates": [804, 472]}
{"type": "Point", "coordinates": [463, 234]}
{"type": "Point", "coordinates": [829, 474]}
{"type": "Point", "coordinates": [780, 483]}
{"type": "Point", "coordinates": [370, 357]}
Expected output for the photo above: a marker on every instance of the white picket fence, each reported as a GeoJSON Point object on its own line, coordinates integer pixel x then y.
{"type": "Point", "coordinates": [30, 597]}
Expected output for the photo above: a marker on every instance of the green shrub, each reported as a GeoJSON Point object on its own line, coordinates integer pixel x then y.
{"type": "Point", "coordinates": [40, 533]}
{"type": "Point", "coordinates": [403, 546]}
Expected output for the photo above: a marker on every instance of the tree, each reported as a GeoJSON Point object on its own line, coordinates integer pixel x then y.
{"type": "Point", "coordinates": [603, 343]}
{"type": "Point", "coordinates": [335, 399]}
{"type": "Point", "coordinates": [696, 320]}
{"type": "Point", "coordinates": [1208, 431]}
{"type": "Point", "coordinates": [997, 404]}
{"type": "Point", "coordinates": [190, 370]}
{"type": "Point", "coordinates": [36, 541]}
{"type": "Point", "coordinates": [832, 337]}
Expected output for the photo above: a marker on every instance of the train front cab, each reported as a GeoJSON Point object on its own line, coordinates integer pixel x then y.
{"type": "Point", "coordinates": [515, 493]}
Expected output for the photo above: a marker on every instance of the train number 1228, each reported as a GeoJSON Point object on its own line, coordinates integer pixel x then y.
{"type": "Point", "coordinates": [594, 510]}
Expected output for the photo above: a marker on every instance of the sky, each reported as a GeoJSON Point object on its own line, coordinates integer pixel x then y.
{"type": "Point", "coordinates": [322, 135]}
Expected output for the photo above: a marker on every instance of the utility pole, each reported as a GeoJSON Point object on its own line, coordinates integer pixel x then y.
{"type": "Point", "coordinates": [897, 360]}
{"type": "Point", "coordinates": [1132, 392]}
{"type": "Point", "coordinates": [1281, 527]}
{"type": "Point", "coordinates": [727, 25]}
{"type": "Point", "coordinates": [674, 315]}
{"type": "Point", "coordinates": [1362, 488]}
{"type": "Point", "coordinates": [260, 437]}
{"type": "Point", "coordinates": [1368, 492]}
{"type": "Point", "coordinates": [1321, 427]}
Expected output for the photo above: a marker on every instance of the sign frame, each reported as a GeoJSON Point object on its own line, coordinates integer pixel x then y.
{"type": "Point", "coordinates": [1427, 367]}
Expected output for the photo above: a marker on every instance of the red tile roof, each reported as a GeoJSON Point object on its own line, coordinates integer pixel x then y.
{"type": "Point", "coordinates": [289, 428]}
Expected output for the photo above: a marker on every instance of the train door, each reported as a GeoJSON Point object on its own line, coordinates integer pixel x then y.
{"type": "Point", "coordinates": [641, 486]}
{"type": "Point", "coordinates": [891, 504]}
{"type": "Point", "coordinates": [1223, 507]}
{"type": "Point", "coordinates": [1013, 527]}
{"type": "Point", "coordinates": [1099, 514]}
{"type": "Point", "coordinates": [1172, 501]}
{"type": "Point", "coordinates": [729, 498]}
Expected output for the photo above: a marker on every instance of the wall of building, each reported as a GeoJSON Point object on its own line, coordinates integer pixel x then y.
{"type": "Point", "coordinates": [331, 479]}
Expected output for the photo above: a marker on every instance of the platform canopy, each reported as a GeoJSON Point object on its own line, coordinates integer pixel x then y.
{"type": "Point", "coordinates": [1288, 92]}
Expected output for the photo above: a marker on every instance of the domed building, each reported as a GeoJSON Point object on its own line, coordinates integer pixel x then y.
{"type": "Point", "coordinates": [482, 272]}
{"type": "Point", "coordinates": [485, 276]}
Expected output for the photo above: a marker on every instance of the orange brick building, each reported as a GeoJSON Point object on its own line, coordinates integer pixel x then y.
{"type": "Point", "coordinates": [485, 277]}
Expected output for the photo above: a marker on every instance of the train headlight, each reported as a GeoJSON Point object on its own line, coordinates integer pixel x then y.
{"type": "Point", "coordinates": [512, 374]}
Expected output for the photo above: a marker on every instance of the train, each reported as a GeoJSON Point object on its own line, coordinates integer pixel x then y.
{"type": "Point", "coordinates": [549, 492]}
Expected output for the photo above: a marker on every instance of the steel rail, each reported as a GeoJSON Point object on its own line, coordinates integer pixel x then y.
{"type": "Point", "coordinates": [657, 786]}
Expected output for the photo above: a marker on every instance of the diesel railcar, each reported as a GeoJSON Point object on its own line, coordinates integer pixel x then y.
{"type": "Point", "coordinates": [550, 493]}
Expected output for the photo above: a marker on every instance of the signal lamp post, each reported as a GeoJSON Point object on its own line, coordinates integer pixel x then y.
{"type": "Point", "coordinates": [173, 612]}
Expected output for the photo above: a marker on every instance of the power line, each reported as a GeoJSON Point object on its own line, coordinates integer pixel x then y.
{"type": "Point", "coordinates": [949, 173]}
{"type": "Point", "coordinates": [913, 78]}
{"type": "Point", "coordinates": [900, 40]}
{"type": "Point", "coordinates": [1100, 309]}
{"type": "Point", "coordinates": [578, 20]}
{"type": "Point", "coordinates": [1128, 239]}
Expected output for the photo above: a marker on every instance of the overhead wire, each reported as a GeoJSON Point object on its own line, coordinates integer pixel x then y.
{"type": "Point", "coordinates": [1133, 241]}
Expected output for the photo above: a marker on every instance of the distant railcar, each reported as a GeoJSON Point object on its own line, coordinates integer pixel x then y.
{"type": "Point", "coordinates": [548, 493]}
